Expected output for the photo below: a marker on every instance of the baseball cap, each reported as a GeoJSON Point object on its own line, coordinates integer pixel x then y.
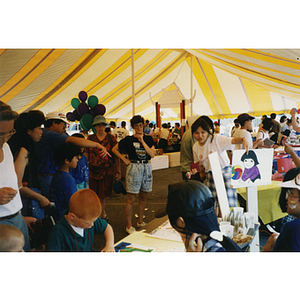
{"type": "Point", "coordinates": [99, 120]}
{"type": "Point", "coordinates": [59, 115]}
{"type": "Point", "coordinates": [294, 183]}
{"type": "Point", "coordinates": [189, 199]}
{"type": "Point", "coordinates": [244, 117]}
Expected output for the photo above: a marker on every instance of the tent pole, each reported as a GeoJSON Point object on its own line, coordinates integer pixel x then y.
{"type": "Point", "coordinates": [191, 85]}
{"type": "Point", "coordinates": [132, 82]}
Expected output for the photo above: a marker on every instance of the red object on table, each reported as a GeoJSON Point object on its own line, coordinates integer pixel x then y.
{"type": "Point", "coordinates": [284, 165]}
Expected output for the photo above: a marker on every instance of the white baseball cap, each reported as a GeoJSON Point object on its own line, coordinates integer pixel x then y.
{"type": "Point", "coordinates": [59, 115]}
{"type": "Point", "coordinates": [291, 184]}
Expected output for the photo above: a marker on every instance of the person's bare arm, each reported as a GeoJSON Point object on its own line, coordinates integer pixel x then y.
{"type": "Point", "coordinates": [289, 150]}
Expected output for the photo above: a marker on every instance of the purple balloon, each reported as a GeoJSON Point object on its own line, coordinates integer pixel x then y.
{"type": "Point", "coordinates": [70, 116]}
{"type": "Point", "coordinates": [99, 109]}
{"type": "Point", "coordinates": [76, 115]}
{"type": "Point", "coordinates": [82, 108]}
{"type": "Point", "coordinates": [82, 96]}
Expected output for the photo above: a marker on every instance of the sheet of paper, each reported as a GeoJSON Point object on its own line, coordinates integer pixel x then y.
{"type": "Point", "coordinates": [252, 169]}
{"type": "Point", "coordinates": [166, 232]}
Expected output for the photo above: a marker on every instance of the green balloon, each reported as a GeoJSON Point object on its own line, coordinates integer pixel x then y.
{"type": "Point", "coordinates": [75, 102]}
{"type": "Point", "coordinates": [86, 122]}
{"type": "Point", "coordinates": [94, 129]}
{"type": "Point", "coordinates": [92, 101]}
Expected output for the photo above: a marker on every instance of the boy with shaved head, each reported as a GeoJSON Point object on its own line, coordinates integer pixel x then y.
{"type": "Point", "coordinates": [11, 238]}
{"type": "Point", "coordinates": [78, 225]}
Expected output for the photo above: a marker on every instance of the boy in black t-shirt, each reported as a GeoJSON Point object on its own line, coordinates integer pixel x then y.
{"type": "Point", "coordinates": [140, 149]}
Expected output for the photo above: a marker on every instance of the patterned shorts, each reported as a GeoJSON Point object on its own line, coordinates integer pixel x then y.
{"type": "Point", "coordinates": [231, 192]}
{"type": "Point", "coordinates": [138, 178]}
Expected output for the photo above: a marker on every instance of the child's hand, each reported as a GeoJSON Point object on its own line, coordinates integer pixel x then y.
{"type": "Point", "coordinates": [194, 244]}
{"type": "Point", "coordinates": [270, 243]}
{"type": "Point", "coordinates": [108, 248]}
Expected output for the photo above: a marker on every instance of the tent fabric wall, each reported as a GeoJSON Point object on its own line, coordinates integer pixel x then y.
{"type": "Point", "coordinates": [227, 82]}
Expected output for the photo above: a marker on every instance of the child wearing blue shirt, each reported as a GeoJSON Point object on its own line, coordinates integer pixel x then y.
{"type": "Point", "coordinates": [81, 173]}
{"type": "Point", "coordinates": [63, 185]}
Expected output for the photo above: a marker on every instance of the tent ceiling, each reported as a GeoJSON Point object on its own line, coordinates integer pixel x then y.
{"type": "Point", "coordinates": [226, 81]}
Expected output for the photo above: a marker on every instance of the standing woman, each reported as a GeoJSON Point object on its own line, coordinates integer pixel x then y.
{"type": "Point", "coordinates": [207, 143]}
{"type": "Point", "coordinates": [22, 144]}
{"type": "Point", "coordinates": [140, 149]}
{"type": "Point", "coordinates": [102, 168]}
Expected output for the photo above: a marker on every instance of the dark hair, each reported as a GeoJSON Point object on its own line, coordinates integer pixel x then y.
{"type": "Point", "coordinates": [49, 122]}
{"type": "Point", "coordinates": [112, 123]}
{"type": "Point", "coordinates": [151, 125]}
{"type": "Point", "coordinates": [273, 116]}
{"type": "Point", "coordinates": [21, 138]}
{"type": "Point", "coordinates": [267, 123]}
{"type": "Point", "coordinates": [206, 124]}
{"type": "Point", "coordinates": [107, 129]}
{"type": "Point", "coordinates": [64, 151]}
{"type": "Point", "coordinates": [136, 120]}
{"type": "Point", "coordinates": [290, 175]}
{"type": "Point", "coordinates": [164, 125]}
{"type": "Point", "coordinates": [29, 120]}
{"type": "Point", "coordinates": [282, 118]}
{"type": "Point", "coordinates": [6, 113]}
{"type": "Point", "coordinates": [251, 154]}
{"type": "Point", "coordinates": [123, 123]}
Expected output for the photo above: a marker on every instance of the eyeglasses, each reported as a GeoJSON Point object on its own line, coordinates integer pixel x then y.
{"type": "Point", "coordinates": [7, 135]}
{"type": "Point", "coordinates": [289, 194]}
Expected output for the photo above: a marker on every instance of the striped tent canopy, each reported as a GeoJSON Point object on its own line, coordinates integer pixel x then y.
{"type": "Point", "coordinates": [222, 83]}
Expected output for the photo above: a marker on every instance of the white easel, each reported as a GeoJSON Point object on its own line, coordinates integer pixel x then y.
{"type": "Point", "coordinates": [252, 205]}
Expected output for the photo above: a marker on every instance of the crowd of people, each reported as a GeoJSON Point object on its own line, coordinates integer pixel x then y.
{"type": "Point", "coordinates": [45, 173]}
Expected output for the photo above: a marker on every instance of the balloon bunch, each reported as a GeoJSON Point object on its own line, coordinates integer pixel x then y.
{"type": "Point", "coordinates": [85, 110]}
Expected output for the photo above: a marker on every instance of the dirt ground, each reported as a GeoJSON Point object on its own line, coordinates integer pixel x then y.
{"type": "Point", "coordinates": [156, 200]}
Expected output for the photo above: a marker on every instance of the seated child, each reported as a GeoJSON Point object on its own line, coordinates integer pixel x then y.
{"type": "Point", "coordinates": [289, 237]}
{"type": "Point", "coordinates": [63, 185]}
{"type": "Point", "coordinates": [81, 172]}
{"type": "Point", "coordinates": [77, 227]}
{"type": "Point", "coordinates": [191, 212]}
{"type": "Point", "coordinates": [11, 238]}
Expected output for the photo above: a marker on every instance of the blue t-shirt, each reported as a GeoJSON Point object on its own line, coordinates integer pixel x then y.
{"type": "Point", "coordinates": [44, 150]}
{"type": "Point", "coordinates": [81, 172]}
{"type": "Point", "coordinates": [62, 187]}
{"type": "Point", "coordinates": [289, 238]}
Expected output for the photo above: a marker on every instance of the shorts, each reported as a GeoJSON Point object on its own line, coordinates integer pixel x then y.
{"type": "Point", "coordinates": [103, 188]}
{"type": "Point", "coordinates": [138, 178]}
